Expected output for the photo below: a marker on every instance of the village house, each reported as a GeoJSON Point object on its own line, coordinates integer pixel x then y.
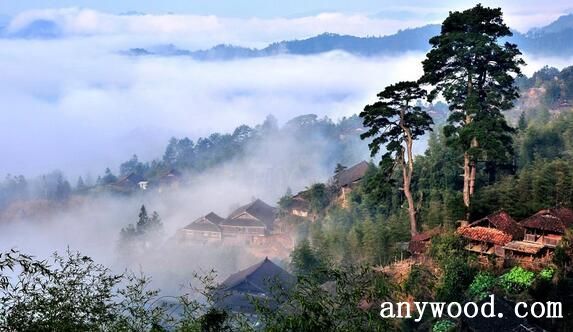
{"type": "Point", "coordinates": [347, 179]}
{"type": "Point", "coordinates": [129, 183]}
{"type": "Point", "coordinates": [546, 227]}
{"type": "Point", "coordinates": [543, 232]}
{"type": "Point", "coordinates": [247, 223]}
{"type": "Point", "coordinates": [254, 219]}
{"type": "Point", "coordinates": [490, 234]}
{"type": "Point", "coordinates": [259, 281]}
{"type": "Point", "coordinates": [421, 241]}
{"type": "Point", "coordinates": [203, 229]}
{"type": "Point", "coordinates": [170, 179]}
{"type": "Point", "coordinates": [299, 206]}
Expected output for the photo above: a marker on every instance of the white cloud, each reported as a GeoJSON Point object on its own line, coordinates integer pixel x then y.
{"type": "Point", "coordinates": [203, 31]}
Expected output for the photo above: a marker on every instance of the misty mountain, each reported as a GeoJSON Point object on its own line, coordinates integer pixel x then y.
{"type": "Point", "coordinates": [562, 24]}
{"type": "Point", "coordinates": [555, 39]}
{"type": "Point", "coordinates": [415, 39]}
{"type": "Point", "coordinates": [37, 29]}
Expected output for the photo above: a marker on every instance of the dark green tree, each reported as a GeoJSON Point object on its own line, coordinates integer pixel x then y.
{"type": "Point", "coordinates": [475, 73]}
{"type": "Point", "coordinates": [143, 219]}
{"type": "Point", "coordinates": [394, 123]}
{"type": "Point", "coordinates": [305, 261]}
{"type": "Point", "coordinates": [108, 177]}
{"type": "Point", "coordinates": [522, 123]}
{"type": "Point", "coordinates": [81, 185]}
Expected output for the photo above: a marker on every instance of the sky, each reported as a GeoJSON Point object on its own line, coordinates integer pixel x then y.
{"type": "Point", "coordinates": [75, 103]}
{"type": "Point", "coordinates": [523, 13]}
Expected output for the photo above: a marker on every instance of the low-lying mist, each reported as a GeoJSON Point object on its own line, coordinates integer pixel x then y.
{"type": "Point", "coordinates": [91, 223]}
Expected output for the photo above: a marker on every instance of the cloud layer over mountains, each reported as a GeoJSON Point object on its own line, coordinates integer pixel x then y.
{"type": "Point", "coordinates": [76, 104]}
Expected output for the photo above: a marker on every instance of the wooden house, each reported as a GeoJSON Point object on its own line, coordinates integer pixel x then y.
{"type": "Point", "coordinates": [347, 179]}
{"type": "Point", "coordinates": [170, 179]}
{"type": "Point", "coordinates": [421, 241]}
{"type": "Point", "coordinates": [129, 183]}
{"type": "Point", "coordinates": [484, 240]}
{"type": "Point", "coordinates": [546, 227]}
{"type": "Point", "coordinates": [299, 206]}
{"type": "Point", "coordinates": [254, 219]}
{"type": "Point", "coordinates": [259, 281]}
{"type": "Point", "coordinates": [203, 229]}
{"type": "Point", "coordinates": [490, 234]}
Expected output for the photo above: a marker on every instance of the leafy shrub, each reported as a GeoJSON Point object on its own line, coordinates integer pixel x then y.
{"type": "Point", "coordinates": [443, 325]}
{"type": "Point", "coordinates": [546, 274]}
{"type": "Point", "coordinates": [481, 286]}
{"type": "Point", "coordinates": [516, 280]}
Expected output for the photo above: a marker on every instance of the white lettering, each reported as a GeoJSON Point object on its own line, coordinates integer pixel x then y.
{"type": "Point", "coordinates": [491, 305]}
{"type": "Point", "coordinates": [387, 306]}
{"type": "Point", "coordinates": [475, 309]}
{"type": "Point", "coordinates": [400, 306]}
{"type": "Point", "coordinates": [537, 304]}
{"type": "Point", "coordinates": [520, 304]}
{"type": "Point", "coordinates": [454, 304]}
{"type": "Point", "coordinates": [437, 308]}
{"type": "Point", "coordinates": [420, 310]}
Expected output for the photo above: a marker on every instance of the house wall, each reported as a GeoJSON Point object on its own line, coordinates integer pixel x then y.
{"type": "Point", "coordinates": [200, 235]}
{"type": "Point", "coordinates": [300, 213]}
{"type": "Point", "coordinates": [242, 230]}
{"type": "Point", "coordinates": [543, 237]}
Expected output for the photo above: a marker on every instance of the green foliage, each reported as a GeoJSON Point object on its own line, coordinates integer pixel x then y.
{"type": "Point", "coordinates": [475, 74]}
{"type": "Point", "coordinates": [481, 286]}
{"type": "Point", "coordinates": [306, 261]}
{"type": "Point", "coordinates": [420, 283]}
{"type": "Point", "coordinates": [144, 235]}
{"type": "Point", "coordinates": [318, 196]}
{"type": "Point", "coordinates": [447, 250]}
{"type": "Point", "coordinates": [546, 274]}
{"type": "Point", "coordinates": [313, 306]}
{"type": "Point", "coordinates": [516, 280]}
{"type": "Point", "coordinates": [73, 293]}
{"type": "Point", "coordinates": [443, 325]}
{"type": "Point", "coordinates": [395, 119]}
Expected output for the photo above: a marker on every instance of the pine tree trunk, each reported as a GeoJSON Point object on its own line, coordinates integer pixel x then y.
{"type": "Point", "coordinates": [411, 207]}
{"type": "Point", "coordinates": [467, 177]}
{"type": "Point", "coordinates": [407, 172]}
{"type": "Point", "coordinates": [472, 178]}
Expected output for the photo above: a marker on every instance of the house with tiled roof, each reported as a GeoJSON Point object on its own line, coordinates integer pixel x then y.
{"type": "Point", "coordinates": [260, 281]}
{"type": "Point", "coordinates": [421, 241]}
{"type": "Point", "coordinates": [129, 183]}
{"type": "Point", "coordinates": [547, 226]}
{"type": "Point", "coordinates": [484, 240]}
{"type": "Point", "coordinates": [348, 178]}
{"type": "Point", "coordinates": [205, 228]}
{"type": "Point", "coordinates": [299, 205]}
{"type": "Point", "coordinates": [490, 234]}
{"type": "Point", "coordinates": [254, 219]}
{"type": "Point", "coordinates": [543, 232]}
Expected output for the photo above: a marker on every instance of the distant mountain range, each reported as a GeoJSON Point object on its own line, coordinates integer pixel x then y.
{"type": "Point", "coordinates": [555, 39]}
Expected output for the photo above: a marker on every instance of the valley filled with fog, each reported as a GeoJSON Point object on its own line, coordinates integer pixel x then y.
{"type": "Point", "coordinates": [77, 104]}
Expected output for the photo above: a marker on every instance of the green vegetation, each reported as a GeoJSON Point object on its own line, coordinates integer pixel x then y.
{"type": "Point", "coordinates": [443, 325]}
{"type": "Point", "coordinates": [517, 280]}
{"type": "Point", "coordinates": [481, 286]}
{"type": "Point", "coordinates": [394, 123]}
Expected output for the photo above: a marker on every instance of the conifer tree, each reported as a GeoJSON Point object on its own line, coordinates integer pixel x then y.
{"type": "Point", "coordinates": [475, 73]}
{"type": "Point", "coordinates": [395, 122]}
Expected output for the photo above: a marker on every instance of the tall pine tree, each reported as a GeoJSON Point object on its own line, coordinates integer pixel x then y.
{"type": "Point", "coordinates": [395, 122]}
{"type": "Point", "coordinates": [469, 67]}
